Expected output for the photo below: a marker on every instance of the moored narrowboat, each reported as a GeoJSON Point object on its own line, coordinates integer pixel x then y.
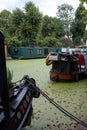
{"type": "Point", "coordinates": [67, 66]}
{"type": "Point", "coordinates": [15, 98]}
{"type": "Point", "coordinates": [28, 52]}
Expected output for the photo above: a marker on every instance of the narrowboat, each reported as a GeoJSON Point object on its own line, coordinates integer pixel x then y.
{"type": "Point", "coordinates": [16, 98]}
{"type": "Point", "coordinates": [67, 66]}
{"type": "Point", "coordinates": [27, 52]}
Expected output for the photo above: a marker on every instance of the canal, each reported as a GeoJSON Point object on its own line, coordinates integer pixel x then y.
{"type": "Point", "coordinates": [72, 96]}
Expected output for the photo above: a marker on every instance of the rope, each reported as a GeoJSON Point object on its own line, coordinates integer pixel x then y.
{"type": "Point", "coordinates": [63, 110]}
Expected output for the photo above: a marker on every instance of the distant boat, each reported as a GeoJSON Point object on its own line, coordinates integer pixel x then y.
{"type": "Point", "coordinates": [28, 52]}
{"type": "Point", "coordinates": [67, 66]}
{"type": "Point", "coordinates": [15, 100]}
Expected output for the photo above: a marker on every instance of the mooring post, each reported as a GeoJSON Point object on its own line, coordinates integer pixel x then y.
{"type": "Point", "coordinates": [3, 80]}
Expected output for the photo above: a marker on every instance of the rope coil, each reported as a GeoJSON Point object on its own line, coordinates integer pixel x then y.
{"type": "Point", "coordinates": [48, 62]}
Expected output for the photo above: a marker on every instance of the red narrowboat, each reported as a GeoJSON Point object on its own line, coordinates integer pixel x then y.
{"type": "Point", "coordinates": [67, 66]}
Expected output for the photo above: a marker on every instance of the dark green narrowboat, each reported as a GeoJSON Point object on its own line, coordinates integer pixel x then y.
{"type": "Point", "coordinates": [31, 52]}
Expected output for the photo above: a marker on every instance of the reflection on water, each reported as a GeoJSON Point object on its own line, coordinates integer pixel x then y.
{"type": "Point", "coordinates": [72, 96]}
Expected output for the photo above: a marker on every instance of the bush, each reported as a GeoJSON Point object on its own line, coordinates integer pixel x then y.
{"type": "Point", "coordinates": [77, 41]}
{"type": "Point", "coordinates": [65, 42]}
{"type": "Point", "coordinates": [15, 42]}
{"type": "Point", "coordinates": [50, 42]}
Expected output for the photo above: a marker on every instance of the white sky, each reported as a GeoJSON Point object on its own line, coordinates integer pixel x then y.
{"type": "Point", "coordinates": [47, 7]}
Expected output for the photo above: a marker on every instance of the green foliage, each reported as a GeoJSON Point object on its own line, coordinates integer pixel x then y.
{"type": "Point", "coordinates": [47, 26]}
{"type": "Point", "coordinates": [31, 24]}
{"type": "Point", "coordinates": [17, 17]}
{"type": "Point", "coordinates": [83, 1]}
{"type": "Point", "coordinates": [78, 14]}
{"type": "Point", "coordinates": [14, 41]}
{"type": "Point", "coordinates": [84, 11]}
{"type": "Point", "coordinates": [21, 26]}
{"type": "Point", "coordinates": [85, 16]}
{"type": "Point", "coordinates": [50, 42]}
{"type": "Point", "coordinates": [65, 13]}
{"type": "Point", "coordinates": [52, 27]}
{"type": "Point", "coordinates": [5, 22]}
{"type": "Point", "coordinates": [16, 20]}
{"type": "Point", "coordinates": [65, 42]}
{"type": "Point", "coordinates": [41, 42]}
{"type": "Point", "coordinates": [58, 28]}
{"type": "Point", "coordinates": [77, 40]}
{"type": "Point", "coordinates": [78, 26]}
{"type": "Point", "coordinates": [85, 36]}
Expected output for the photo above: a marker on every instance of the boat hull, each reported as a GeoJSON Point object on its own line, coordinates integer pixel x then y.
{"type": "Point", "coordinates": [62, 77]}
{"type": "Point", "coordinates": [54, 76]}
{"type": "Point", "coordinates": [21, 109]}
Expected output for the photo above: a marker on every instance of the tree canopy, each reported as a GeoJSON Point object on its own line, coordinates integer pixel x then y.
{"type": "Point", "coordinates": [78, 25]}
{"type": "Point", "coordinates": [29, 26]}
{"type": "Point", "coordinates": [52, 27]}
{"type": "Point", "coordinates": [65, 13]}
{"type": "Point", "coordinates": [31, 23]}
{"type": "Point", "coordinates": [83, 1]}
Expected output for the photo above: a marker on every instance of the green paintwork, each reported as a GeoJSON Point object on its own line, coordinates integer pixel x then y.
{"type": "Point", "coordinates": [31, 52]}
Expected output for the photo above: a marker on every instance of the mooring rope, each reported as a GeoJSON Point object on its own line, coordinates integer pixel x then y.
{"type": "Point", "coordinates": [63, 110]}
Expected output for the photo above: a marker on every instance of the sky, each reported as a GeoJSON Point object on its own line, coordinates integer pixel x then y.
{"type": "Point", "coordinates": [46, 7]}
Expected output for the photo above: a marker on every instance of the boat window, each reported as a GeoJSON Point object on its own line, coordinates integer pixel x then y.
{"type": "Point", "coordinates": [39, 51]}
{"type": "Point", "coordinates": [15, 50]}
{"type": "Point", "coordinates": [50, 50]}
{"type": "Point", "coordinates": [46, 51]}
{"type": "Point", "coordinates": [30, 51]}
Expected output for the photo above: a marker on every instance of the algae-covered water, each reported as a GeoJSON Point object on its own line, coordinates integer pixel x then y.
{"type": "Point", "coordinates": [72, 96]}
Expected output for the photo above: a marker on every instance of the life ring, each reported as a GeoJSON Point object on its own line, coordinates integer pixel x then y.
{"type": "Point", "coordinates": [48, 62]}
{"type": "Point", "coordinates": [16, 50]}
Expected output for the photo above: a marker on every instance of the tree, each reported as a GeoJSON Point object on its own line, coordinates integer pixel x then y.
{"type": "Point", "coordinates": [17, 17]}
{"type": "Point", "coordinates": [65, 42]}
{"type": "Point", "coordinates": [5, 23]}
{"type": "Point", "coordinates": [78, 26]}
{"type": "Point", "coordinates": [47, 26]}
{"type": "Point", "coordinates": [4, 18]}
{"type": "Point", "coordinates": [52, 27]}
{"type": "Point", "coordinates": [51, 42]}
{"type": "Point", "coordinates": [58, 28]}
{"type": "Point", "coordinates": [31, 23]}
{"type": "Point", "coordinates": [65, 13]}
{"type": "Point", "coordinates": [85, 11]}
{"type": "Point", "coordinates": [85, 17]}
{"type": "Point", "coordinates": [16, 20]}
{"type": "Point", "coordinates": [83, 1]}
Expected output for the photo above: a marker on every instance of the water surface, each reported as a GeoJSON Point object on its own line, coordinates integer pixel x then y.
{"type": "Point", "coordinates": [72, 96]}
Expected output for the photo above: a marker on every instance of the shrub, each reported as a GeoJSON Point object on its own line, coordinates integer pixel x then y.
{"type": "Point", "coordinates": [65, 42]}
{"type": "Point", "coordinates": [14, 41]}
{"type": "Point", "coordinates": [50, 42]}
